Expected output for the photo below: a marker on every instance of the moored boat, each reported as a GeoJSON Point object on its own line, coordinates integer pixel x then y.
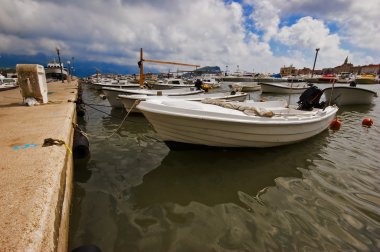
{"type": "Point", "coordinates": [366, 79]}
{"type": "Point", "coordinates": [349, 95]}
{"type": "Point", "coordinates": [101, 85]}
{"type": "Point", "coordinates": [55, 71]}
{"type": "Point", "coordinates": [245, 86]}
{"type": "Point", "coordinates": [130, 101]}
{"type": "Point", "coordinates": [283, 88]}
{"type": "Point", "coordinates": [327, 78]}
{"type": "Point", "coordinates": [7, 83]}
{"type": "Point", "coordinates": [252, 124]}
{"type": "Point", "coordinates": [114, 100]}
{"type": "Point", "coordinates": [168, 84]}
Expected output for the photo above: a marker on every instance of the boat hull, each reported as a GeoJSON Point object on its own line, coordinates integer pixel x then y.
{"type": "Point", "coordinates": [366, 81]}
{"type": "Point", "coordinates": [349, 95]}
{"type": "Point", "coordinates": [130, 102]}
{"type": "Point", "coordinates": [98, 86]}
{"type": "Point", "coordinates": [180, 126]}
{"type": "Point", "coordinates": [158, 86]}
{"type": "Point", "coordinates": [5, 88]}
{"type": "Point", "coordinates": [293, 88]}
{"type": "Point", "coordinates": [112, 94]}
{"type": "Point", "coordinates": [245, 86]}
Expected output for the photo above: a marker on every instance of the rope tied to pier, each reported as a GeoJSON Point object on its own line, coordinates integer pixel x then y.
{"type": "Point", "coordinates": [51, 142]}
{"type": "Point", "coordinates": [79, 130]}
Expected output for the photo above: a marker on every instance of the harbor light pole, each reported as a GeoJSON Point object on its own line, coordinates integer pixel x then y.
{"type": "Point", "coordinates": [315, 59]}
{"type": "Point", "coordinates": [68, 64]}
{"type": "Point", "coordinates": [60, 64]}
{"type": "Point", "coordinates": [72, 65]}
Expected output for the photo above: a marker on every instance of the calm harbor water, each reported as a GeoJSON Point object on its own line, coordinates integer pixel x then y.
{"type": "Point", "coordinates": [134, 194]}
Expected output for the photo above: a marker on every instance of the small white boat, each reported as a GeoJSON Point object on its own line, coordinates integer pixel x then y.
{"type": "Point", "coordinates": [7, 83]}
{"type": "Point", "coordinates": [131, 101]}
{"type": "Point", "coordinates": [283, 88]}
{"type": "Point", "coordinates": [168, 84]}
{"type": "Point", "coordinates": [101, 85]}
{"type": "Point", "coordinates": [349, 95]}
{"type": "Point", "coordinates": [180, 122]}
{"type": "Point", "coordinates": [211, 82]}
{"type": "Point", "coordinates": [245, 86]}
{"type": "Point", "coordinates": [113, 93]}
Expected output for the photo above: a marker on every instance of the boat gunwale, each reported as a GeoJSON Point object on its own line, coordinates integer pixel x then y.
{"type": "Point", "coordinates": [216, 116]}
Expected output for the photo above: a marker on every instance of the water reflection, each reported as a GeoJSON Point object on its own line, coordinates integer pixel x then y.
{"type": "Point", "coordinates": [214, 177]}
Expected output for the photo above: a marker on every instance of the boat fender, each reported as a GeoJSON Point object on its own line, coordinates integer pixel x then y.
{"type": "Point", "coordinates": [80, 110]}
{"type": "Point", "coordinates": [335, 124]}
{"type": "Point", "coordinates": [367, 122]}
{"type": "Point", "coordinates": [103, 97]}
{"type": "Point", "coordinates": [81, 145]}
{"type": "Point", "coordinates": [87, 248]}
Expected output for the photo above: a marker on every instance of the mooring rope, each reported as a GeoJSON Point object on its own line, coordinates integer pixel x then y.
{"type": "Point", "coordinates": [51, 141]}
{"type": "Point", "coordinates": [121, 124]}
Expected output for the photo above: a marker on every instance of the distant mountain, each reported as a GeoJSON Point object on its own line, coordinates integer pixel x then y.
{"type": "Point", "coordinates": [208, 69]}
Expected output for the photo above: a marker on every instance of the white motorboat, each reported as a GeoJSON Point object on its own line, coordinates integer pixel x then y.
{"type": "Point", "coordinates": [210, 82]}
{"type": "Point", "coordinates": [283, 88]}
{"type": "Point", "coordinates": [130, 101]}
{"type": "Point", "coordinates": [101, 85]}
{"type": "Point", "coordinates": [113, 93]}
{"type": "Point", "coordinates": [7, 83]}
{"type": "Point", "coordinates": [245, 86]}
{"type": "Point", "coordinates": [187, 122]}
{"type": "Point", "coordinates": [349, 95]}
{"type": "Point", "coordinates": [168, 84]}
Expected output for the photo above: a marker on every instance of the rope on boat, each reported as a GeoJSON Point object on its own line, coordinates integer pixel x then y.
{"type": "Point", "coordinates": [248, 110]}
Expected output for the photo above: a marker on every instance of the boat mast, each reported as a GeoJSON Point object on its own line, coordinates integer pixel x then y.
{"type": "Point", "coordinates": [141, 66]}
{"type": "Point", "coordinates": [315, 59]}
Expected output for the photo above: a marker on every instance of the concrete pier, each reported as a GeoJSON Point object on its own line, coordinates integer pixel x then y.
{"type": "Point", "coordinates": [36, 181]}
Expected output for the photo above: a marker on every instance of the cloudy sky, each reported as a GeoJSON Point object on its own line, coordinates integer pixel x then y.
{"type": "Point", "coordinates": [256, 35]}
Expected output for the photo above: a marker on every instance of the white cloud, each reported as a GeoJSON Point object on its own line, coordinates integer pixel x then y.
{"type": "Point", "coordinates": [309, 33]}
{"type": "Point", "coordinates": [206, 32]}
{"type": "Point", "coordinates": [265, 16]}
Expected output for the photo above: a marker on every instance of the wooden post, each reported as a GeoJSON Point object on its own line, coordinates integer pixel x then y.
{"type": "Point", "coordinates": [141, 81]}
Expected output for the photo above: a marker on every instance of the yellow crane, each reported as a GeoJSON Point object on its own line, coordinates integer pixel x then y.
{"type": "Point", "coordinates": [141, 65]}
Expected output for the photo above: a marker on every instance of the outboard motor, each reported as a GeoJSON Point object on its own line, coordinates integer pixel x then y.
{"type": "Point", "coordinates": [309, 99]}
{"type": "Point", "coordinates": [353, 84]}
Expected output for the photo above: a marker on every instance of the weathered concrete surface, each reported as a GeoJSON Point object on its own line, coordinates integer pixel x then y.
{"type": "Point", "coordinates": [35, 185]}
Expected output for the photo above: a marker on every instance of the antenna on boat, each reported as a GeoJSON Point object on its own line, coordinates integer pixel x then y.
{"type": "Point", "coordinates": [290, 93]}
{"type": "Point", "coordinates": [60, 64]}
{"type": "Point", "coordinates": [332, 91]}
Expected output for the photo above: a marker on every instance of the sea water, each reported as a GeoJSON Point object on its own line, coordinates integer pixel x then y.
{"type": "Point", "coordinates": [134, 194]}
